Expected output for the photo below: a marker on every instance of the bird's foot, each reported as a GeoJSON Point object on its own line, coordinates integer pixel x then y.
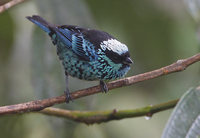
{"type": "Point", "coordinates": [104, 87]}
{"type": "Point", "coordinates": [68, 96]}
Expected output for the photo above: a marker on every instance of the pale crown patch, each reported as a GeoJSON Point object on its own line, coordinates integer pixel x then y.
{"type": "Point", "coordinates": [114, 45]}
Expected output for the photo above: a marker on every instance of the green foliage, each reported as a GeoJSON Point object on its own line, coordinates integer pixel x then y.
{"type": "Point", "coordinates": [6, 35]}
{"type": "Point", "coordinates": [185, 119]}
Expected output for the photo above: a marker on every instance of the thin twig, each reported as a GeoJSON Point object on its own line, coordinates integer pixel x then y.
{"type": "Point", "coordinates": [9, 5]}
{"type": "Point", "coordinates": [180, 65]}
{"type": "Point", "coordinates": [91, 117]}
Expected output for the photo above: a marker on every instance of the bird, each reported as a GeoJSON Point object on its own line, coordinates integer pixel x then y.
{"type": "Point", "coordinates": [87, 54]}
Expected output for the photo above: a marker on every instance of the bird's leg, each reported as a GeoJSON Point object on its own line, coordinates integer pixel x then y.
{"type": "Point", "coordinates": [67, 93]}
{"type": "Point", "coordinates": [104, 87]}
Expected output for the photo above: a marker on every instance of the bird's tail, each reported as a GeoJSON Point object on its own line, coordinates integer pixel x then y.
{"type": "Point", "coordinates": [39, 21]}
{"type": "Point", "coordinates": [55, 34]}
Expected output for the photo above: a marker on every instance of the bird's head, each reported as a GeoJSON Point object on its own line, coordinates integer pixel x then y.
{"type": "Point", "coordinates": [116, 51]}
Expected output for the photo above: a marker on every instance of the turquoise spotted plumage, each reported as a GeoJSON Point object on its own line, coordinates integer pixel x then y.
{"type": "Point", "coordinates": [87, 54]}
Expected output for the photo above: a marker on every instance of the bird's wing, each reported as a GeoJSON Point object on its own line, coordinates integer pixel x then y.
{"type": "Point", "coordinates": [79, 45]}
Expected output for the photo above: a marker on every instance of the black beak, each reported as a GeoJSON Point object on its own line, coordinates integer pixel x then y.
{"type": "Point", "coordinates": [128, 61]}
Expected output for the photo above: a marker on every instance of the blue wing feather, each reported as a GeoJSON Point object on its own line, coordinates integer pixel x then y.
{"type": "Point", "coordinates": [64, 36]}
{"type": "Point", "coordinates": [79, 45]}
{"type": "Point", "coordinates": [67, 33]}
{"type": "Point", "coordinates": [83, 47]}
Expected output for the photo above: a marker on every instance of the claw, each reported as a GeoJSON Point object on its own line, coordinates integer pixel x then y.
{"type": "Point", "coordinates": [68, 96]}
{"type": "Point", "coordinates": [104, 87]}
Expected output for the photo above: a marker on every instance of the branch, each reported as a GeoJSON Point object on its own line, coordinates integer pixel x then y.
{"type": "Point", "coordinates": [9, 5]}
{"type": "Point", "coordinates": [91, 117]}
{"type": "Point", "coordinates": [37, 105]}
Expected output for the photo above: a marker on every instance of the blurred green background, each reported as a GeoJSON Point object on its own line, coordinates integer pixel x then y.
{"type": "Point", "coordinates": [156, 32]}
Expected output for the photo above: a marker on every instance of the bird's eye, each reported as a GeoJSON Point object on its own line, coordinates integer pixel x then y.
{"type": "Point", "coordinates": [114, 57]}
